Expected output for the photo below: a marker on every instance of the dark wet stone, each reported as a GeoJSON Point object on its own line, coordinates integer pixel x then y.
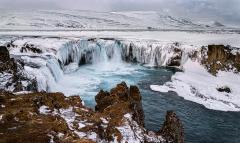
{"type": "Point", "coordinates": [4, 54]}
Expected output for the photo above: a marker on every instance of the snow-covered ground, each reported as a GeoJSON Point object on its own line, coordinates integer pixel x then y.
{"type": "Point", "coordinates": [189, 38]}
{"type": "Point", "coordinates": [72, 20]}
{"type": "Point", "coordinates": [198, 85]}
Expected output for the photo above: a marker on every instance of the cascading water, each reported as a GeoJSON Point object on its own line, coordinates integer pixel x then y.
{"type": "Point", "coordinates": [101, 56]}
{"type": "Point", "coordinates": [88, 52]}
{"type": "Point", "coordinates": [55, 69]}
{"type": "Point", "coordinates": [81, 64]}
{"type": "Point", "coordinates": [155, 54]}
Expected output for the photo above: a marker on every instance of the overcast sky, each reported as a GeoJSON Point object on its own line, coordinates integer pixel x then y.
{"type": "Point", "coordinates": [228, 10]}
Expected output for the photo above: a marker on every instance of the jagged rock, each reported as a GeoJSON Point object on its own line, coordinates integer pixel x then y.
{"type": "Point", "coordinates": [220, 58]}
{"type": "Point", "coordinates": [224, 89]}
{"type": "Point", "coordinates": [122, 100]}
{"type": "Point", "coordinates": [172, 129]}
{"type": "Point", "coordinates": [128, 99]}
{"type": "Point", "coordinates": [31, 48]}
{"type": "Point", "coordinates": [4, 54]}
{"type": "Point", "coordinates": [14, 71]}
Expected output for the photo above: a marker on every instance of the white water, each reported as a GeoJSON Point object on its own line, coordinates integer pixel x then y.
{"type": "Point", "coordinates": [103, 68]}
{"type": "Point", "coordinates": [80, 66]}
{"type": "Point", "coordinates": [105, 71]}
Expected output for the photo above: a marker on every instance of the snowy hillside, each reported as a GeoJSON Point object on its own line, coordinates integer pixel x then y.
{"type": "Point", "coordinates": [87, 20]}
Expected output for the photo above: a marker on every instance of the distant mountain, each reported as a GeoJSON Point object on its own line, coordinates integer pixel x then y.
{"type": "Point", "coordinates": [89, 20]}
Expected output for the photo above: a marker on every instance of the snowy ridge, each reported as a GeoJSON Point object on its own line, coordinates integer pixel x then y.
{"type": "Point", "coordinates": [89, 20]}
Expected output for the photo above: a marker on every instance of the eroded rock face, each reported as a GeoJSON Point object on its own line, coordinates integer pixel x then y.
{"type": "Point", "coordinates": [52, 117]}
{"type": "Point", "coordinates": [220, 58]}
{"type": "Point", "coordinates": [127, 99]}
{"type": "Point", "coordinates": [120, 101]}
{"type": "Point", "coordinates": [172, 129]}
{"type": "Point", "coordinates": [12, 75]}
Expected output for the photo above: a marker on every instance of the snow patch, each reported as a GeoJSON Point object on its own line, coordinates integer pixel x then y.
{"type": "Point", "coordinates": [198, 85]}
{"type": "Point", "coordinates": [44, 110]}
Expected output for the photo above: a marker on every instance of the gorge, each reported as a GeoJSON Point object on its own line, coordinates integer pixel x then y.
{"type": "Point", "coordinates": [83, 66]}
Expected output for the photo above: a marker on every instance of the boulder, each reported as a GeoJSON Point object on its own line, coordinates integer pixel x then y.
{"type": "Point", "coordinates": [4, 54]}
{"type": "Point", "coordinates": [224, 89]}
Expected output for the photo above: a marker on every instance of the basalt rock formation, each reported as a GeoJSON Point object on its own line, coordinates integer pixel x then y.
{"type": "Point", "coordinates": [220, 58]}
{"type": "Point", "coordinates": [52, 117]}
{"type": "Point", "coordinates": [172, 129]}
{"type": "Point", "coordinates": [129, 99]}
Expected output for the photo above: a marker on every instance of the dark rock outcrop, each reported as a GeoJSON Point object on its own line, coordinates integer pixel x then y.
{"type": "Point", "coordinates": [224, 89]}
{"type": "Point", "coordinates": [4, 54]}
{"type": "Point", "coordinates": [129, 99]}
{"type": "Point", "coordinates": [172, 129]}
{"type": "Point", "coordinates": [122, 100]}
{"type": "Point", "coordinates": [176, 58]}
{"type": "Point", "coordinates": [31, 48]}
{"type": "Point", "coordinates": [220, 58]}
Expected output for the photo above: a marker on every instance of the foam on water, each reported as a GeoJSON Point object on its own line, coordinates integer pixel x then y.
{"type": "Point", "coordinates": [89, 79]}
{"type": "Point", "coordinates": [104, 68]}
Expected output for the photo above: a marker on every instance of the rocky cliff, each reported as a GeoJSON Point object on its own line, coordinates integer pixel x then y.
{"type": "Point", "coordinates": [220, 58]}
{"type": "Point", "coordinates": [52, 117]}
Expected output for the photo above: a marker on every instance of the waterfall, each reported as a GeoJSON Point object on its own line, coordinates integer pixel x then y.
{"type": "Point", "coordinates": [55, 69]}
{"type": "Point", "coordinates": [88, 52]}
{"type": "Point", "coordinates": [105, 55]}
{"type": "Point", "coordinates": [102, 51]}
{"type": "Point", "coordinates": [153, 54]}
